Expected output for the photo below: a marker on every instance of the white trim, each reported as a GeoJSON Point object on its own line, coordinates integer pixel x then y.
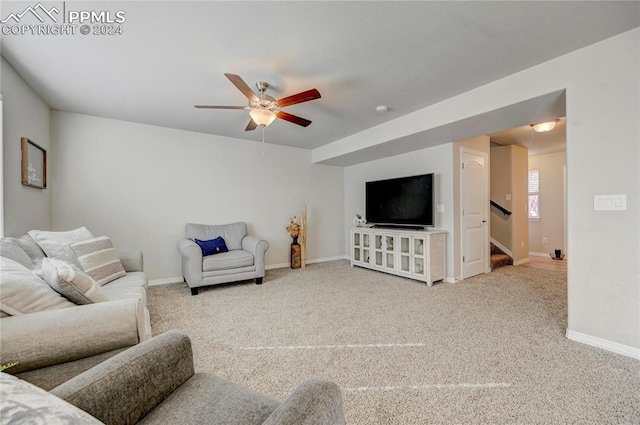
{"type": "Point", "coordinates": [178, 279]}
{"type": "Point", "coordinates": [521, 261]}
{"type": "Point", "coordinates": [604, 344]}
{"type": "Point", "coordinates": [165, 281]}
{"type": "Point", "coordinates": [502, 247]}
{"type": "Point", "coordinates": [316, 260]}
{"type": "Point", "coordinates": [539, 254]}
{"type": "Point", "coordinates": [544, 255]}
{"type": "Point", "coordinates": [326, 259]}
{"type": "Point", "coordinates": [277, 266]}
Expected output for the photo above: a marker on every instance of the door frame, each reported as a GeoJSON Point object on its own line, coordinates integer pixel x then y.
{"type": "Point", "coordinates": [485, 155]}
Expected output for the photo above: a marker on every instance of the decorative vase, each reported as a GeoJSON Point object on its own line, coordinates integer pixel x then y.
{"type": "Point", "coordinates": [296, 260]}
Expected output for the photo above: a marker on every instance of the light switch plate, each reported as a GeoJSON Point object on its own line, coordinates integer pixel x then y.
{"type": "Point", "coordinates": [610, 202]}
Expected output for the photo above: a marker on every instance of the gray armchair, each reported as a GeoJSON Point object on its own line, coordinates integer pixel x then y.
{"type": "Point", "coordinates": [243, 261]}
{"type": "Point", "coordinates": [154, 383]}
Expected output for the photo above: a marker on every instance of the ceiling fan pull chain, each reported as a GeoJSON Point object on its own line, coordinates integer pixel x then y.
{"type": "Point", "coordinates": [263, 141]}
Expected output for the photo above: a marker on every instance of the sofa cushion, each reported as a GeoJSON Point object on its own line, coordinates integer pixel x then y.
{"type": "Point", "coordinates": [9, 248]}
{"type": "Point", "coordinates": [23, 402]}
{"type": "Point", "coordinates": [71, 282]}
{"type": "Point", "coordinates": [130, 279]}
{"type": "Point", "coordinates": [98, 259]}
{"type": "Point", "coordinates": [21, 291]}
{"type": "Point", "coordinates": [232, 233]}
{"type": "Point", "coordinates": [205, 396]}
{"type": "Point", "coordinates": [213, 246]}
{"type": "Point", "coordinates": [56, 244]}
{"type": "Point", "coordinates": [227, 260]}
{"type": "Point", "coordinates": [125, 292]}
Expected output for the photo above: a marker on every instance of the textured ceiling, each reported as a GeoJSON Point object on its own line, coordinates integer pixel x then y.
{"type": "Point", "coordinates": [407, 55]}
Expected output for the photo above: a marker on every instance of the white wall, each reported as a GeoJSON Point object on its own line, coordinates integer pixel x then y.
{"type": "Point", "coordinates": [604, 290]}
{"type": "Point", "coordinates": [141, 184]}
{"type": "Point", "coordinates": [602, 108]}
{"type": "Point", "coordinates": [438, 160]}
{"type": "Point", "coordinates": [24, 115]}
{"type": "Point", "coordinates": [551, 201]}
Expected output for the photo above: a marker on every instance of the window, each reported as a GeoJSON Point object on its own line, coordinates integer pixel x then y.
{"type": "Point", "coordinates": [534, 194]}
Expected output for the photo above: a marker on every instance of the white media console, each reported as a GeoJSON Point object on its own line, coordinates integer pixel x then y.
{"type": "Point", "coordinates": [416, 254]}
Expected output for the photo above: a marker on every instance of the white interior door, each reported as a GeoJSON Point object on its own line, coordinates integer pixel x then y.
{"type": "Point", "coordinates": [474, 202]}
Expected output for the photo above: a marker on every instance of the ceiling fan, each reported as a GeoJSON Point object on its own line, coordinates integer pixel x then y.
{"type": "Point", "coordinates": [264, 109]}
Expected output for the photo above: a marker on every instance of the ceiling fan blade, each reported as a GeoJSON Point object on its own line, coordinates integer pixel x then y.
{"type": "Point", "coordinates": [251, 125]}
{"type": "Point", "coordinates": [292, 118]}
{"type": "Point", "coordinates": [242, 86]}
{"type": "Point", "coordinates": [219, 107]}
{"type": "Point", "coordinates": [304, 96]}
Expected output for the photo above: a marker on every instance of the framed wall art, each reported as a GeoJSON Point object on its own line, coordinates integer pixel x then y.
{"type": "Point", "coordinates": [34, 164]}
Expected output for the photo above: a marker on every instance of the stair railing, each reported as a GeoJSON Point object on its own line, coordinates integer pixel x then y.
{"type": "Point", "coordinates": [502, 209]}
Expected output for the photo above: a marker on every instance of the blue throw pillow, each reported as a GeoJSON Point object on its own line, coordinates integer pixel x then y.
{"type": "Point", "coordinates": [213, 246]}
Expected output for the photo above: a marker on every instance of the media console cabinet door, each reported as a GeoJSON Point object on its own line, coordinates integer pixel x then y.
{"type": "Point", "coordinates": [360, 247]}
{"type": "Point", "coordinates": [418, 255]}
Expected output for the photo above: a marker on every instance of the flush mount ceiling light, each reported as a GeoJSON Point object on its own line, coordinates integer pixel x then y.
{"type": "Point", "coordinates": [543, 127]}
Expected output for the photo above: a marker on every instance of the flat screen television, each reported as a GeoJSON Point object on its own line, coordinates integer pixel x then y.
{"type": "Point", "coordinates": [404, 201]}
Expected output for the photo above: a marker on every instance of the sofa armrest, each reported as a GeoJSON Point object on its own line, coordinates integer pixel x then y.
{"type": "Point", "coordinates": [129, 385]}
{"type": "Point", "coordinates": [132, 261]}
{"type": "Point", "coordinates": [191, 262]}
{"type": "Point", "coordinates": [52, 337]}
{"type": "Point", "coordinates": [314, 402]}
{"type": "Point", "coordinates": [258, 247]}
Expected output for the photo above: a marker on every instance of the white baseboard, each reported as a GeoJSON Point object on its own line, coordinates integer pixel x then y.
{"type": "Point", "coordinates": [539, 254]}
{"type": "Point", "coordinates": [277, 266]}
{"type": "Point", "coordinates": [166, 281]}
{"type": "Point", "coordinates": [178, 279]}
{"type": "Point", "coordinates": [521, 261]}
{"type": "Point", "coordinates": [325, 259]}
{"type": "Point", "coordinates": [594, 341]}
{"type": "Point", "coordinates": [315, 260]}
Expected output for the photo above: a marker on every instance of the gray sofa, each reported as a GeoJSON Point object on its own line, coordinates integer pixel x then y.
{"type": "Point", "coordinates": [54, 339]}
{"type": "Point", "coordinates": [243, 261]}
{"type": "Point", "coordinates": [154, 383]}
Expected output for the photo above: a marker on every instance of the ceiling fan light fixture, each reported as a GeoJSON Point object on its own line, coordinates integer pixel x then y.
{"type": "Point", "coordinates": [262, 117]}
{"type": "Point", "coordinates": [543, 127]}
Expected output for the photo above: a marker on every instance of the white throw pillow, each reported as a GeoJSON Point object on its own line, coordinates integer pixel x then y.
{"type": "Point", "coordinates": [71, 282]}
{"type": "Point", "coordinates": [56, 244]}
{"type": "Point", "coordinates": [22, 292]}
{"type": "Point", "coordinates": [99, 259]}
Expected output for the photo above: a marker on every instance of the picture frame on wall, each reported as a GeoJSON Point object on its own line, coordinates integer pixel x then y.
{"type": "Point", "coordinates": [34, 164]}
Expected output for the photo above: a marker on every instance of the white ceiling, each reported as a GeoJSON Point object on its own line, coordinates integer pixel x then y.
{"type": "Point", "coordinates": [406, 55]}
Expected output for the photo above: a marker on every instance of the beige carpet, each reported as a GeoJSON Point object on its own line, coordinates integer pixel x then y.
{"type": "Point", "coordinates": [490, 350]}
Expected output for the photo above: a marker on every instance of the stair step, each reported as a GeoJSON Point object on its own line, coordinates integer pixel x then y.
{"type": "Point", "coordinates": [500, 260]}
